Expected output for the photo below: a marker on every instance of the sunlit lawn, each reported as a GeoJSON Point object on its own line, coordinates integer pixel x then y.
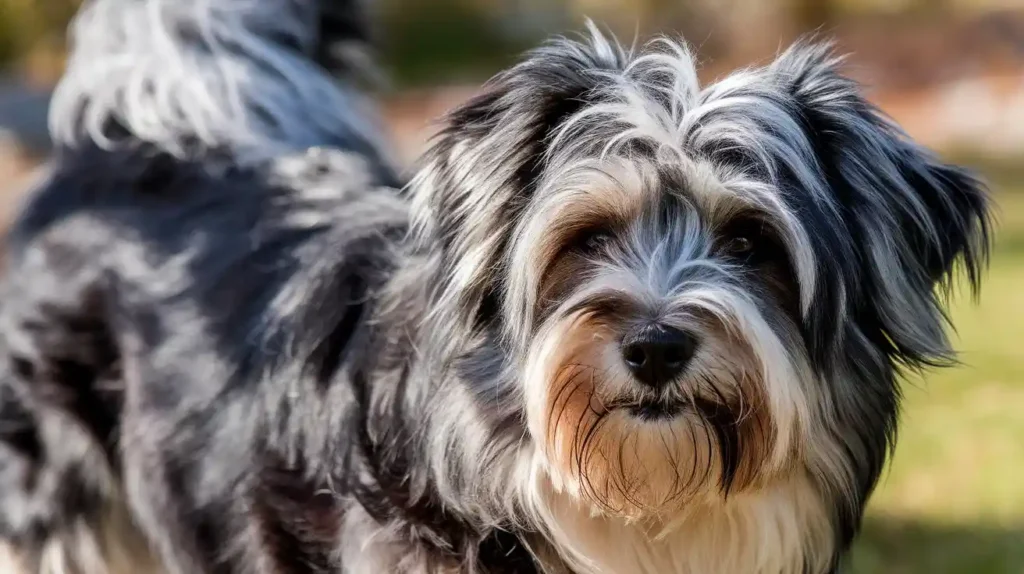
{"type": "Point", "coordinates": [953, 500]}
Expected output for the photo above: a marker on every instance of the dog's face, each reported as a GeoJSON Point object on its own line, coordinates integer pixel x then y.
{"type": "Point", "coordinates": [701, 291]}
{"type": "Point", "coordinates": [665, 353]}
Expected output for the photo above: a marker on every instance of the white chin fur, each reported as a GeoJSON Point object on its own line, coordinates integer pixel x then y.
{"type": "Point", "coordinates": [780, 529]}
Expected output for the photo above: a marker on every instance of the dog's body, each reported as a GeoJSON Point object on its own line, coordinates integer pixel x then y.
{"type": "Point", "coordinates": [162, 237]}
{"type": "Point", "coordinates": [637, 326]}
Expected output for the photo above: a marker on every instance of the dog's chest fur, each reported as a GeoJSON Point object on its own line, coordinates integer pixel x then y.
{"type": "Point", "coordinates": [779, 530]}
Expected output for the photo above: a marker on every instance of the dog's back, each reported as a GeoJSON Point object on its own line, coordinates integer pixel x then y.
{"type": "Point", "coordinates": [212, 179]}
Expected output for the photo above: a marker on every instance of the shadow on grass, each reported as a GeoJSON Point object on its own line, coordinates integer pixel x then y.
{"type": "Point", "coordinates": [893, 546]}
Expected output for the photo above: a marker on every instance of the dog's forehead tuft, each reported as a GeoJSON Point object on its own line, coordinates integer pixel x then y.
{"type": "Point", "coordinates": [631, 187]}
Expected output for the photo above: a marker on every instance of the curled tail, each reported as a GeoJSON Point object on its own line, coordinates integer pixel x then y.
{"type": "Point", "coordinates": [243, 79]}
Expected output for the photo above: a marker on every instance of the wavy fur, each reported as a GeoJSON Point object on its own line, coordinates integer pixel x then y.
{"type": "Point", "coordinates": [289, 366]}
{"type": "Point", "coordinates": [198, 78]}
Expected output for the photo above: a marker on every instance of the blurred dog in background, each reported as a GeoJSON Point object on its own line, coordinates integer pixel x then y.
{"type": "Point", "coordinates": [619, 322]}
{"type": "Point", "coordinates": [186, 211]}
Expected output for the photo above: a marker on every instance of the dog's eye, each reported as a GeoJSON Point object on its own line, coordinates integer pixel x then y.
{"type": "Point", "coordinates": [747, 239]}
{"type": "Point", "coordinates": [739, 246]}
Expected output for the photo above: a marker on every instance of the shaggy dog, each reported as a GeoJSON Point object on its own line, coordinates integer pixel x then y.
{"type": "Point", "coordinates": [618, 323]}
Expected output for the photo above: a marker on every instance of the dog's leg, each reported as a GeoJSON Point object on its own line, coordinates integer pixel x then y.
{"type": "Point", "coordinates": [61, 507]}
{"type": "Point", "coordinates": [60, 512]}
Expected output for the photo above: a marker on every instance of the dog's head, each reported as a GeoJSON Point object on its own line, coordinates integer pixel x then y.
{"type": "Point", "coordinates": [701, 289]}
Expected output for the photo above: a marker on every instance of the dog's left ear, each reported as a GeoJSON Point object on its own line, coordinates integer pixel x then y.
{"type": "Point", "coordinates": [908, 217]}
{"type": "Point", "coordinates": [486, 161]}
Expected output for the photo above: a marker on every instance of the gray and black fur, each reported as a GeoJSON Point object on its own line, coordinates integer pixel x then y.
{"type": "Point", "coordinates": [227, 332]}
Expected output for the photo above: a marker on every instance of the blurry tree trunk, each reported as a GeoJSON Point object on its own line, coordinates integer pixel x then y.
{"type": "Point", "coordinates": [533, 19]}
{"type": "Point", "coordinates": [813, 14]}
{"type": "Point", "coordinates": [932, 6]}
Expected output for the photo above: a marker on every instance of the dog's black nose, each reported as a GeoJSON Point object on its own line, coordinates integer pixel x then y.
{"type": "Point", "coordinates": [657, 355]}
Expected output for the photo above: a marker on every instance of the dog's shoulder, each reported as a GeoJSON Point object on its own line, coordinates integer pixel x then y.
{"type": "Point", "coordinates": [246, 266]}
{"type": "Point", "coordinates": [170, 206]}
{"type": "Point", "coordinates": [246, 253]}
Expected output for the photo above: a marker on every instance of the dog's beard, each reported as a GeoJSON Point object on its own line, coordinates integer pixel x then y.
{"type": "Point", "coordinates": [640, 454]}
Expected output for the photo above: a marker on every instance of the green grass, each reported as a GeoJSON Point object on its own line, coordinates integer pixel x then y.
{"type": "Point", "coordinates": [952, 501]}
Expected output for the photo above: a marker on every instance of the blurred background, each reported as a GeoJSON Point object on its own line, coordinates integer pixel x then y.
{"type": "Point", "coordinates": [950, 71]}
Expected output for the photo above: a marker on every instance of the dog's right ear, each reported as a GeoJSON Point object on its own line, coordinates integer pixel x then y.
{"type": "Point", "coordinates": [484, 164]}
{"type": "Point", "coordinates": [912, 217]}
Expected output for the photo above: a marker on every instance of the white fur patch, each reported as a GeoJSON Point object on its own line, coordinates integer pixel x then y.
{"type": "Point", "coordinates": [182, 74]}
{"type": "Point", "coordinates": [781, 529]}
